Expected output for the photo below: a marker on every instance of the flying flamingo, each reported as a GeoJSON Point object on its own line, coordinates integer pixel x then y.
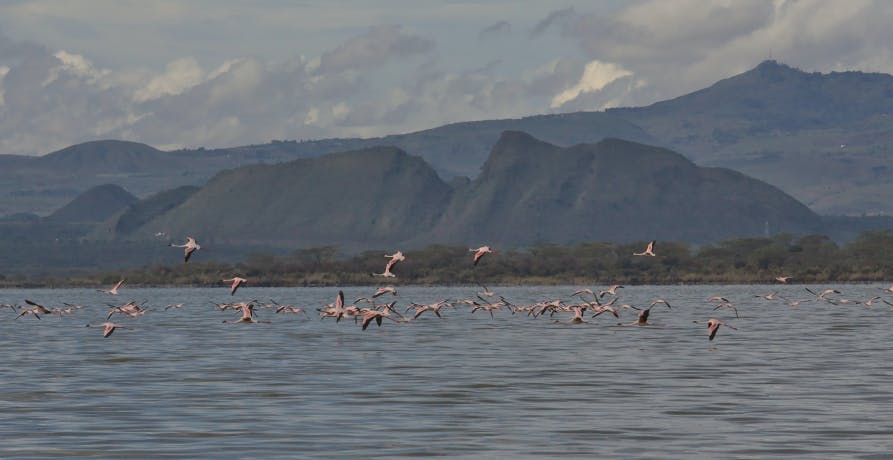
{"type": "Point", "coordinates": [114, 290]}
{"type": "Point", "coordinates": [434, 308]}
{"type": "Point", "coordinates": [40, 308]}
{"type": "Point", "coordinates": [610, 291]}
{"type": "Point", "coordinates": [772, 296]}
{"type": "Point", "coordinates": [236, 283]}
{"type": "Point", "coordinates": [486, 292]}
{"type": "Point", "coordinates": [34, 311]}
{"type": "Point", "coordinates": [335, 310]}
{"type": "Point", "coordinates": [649, 250]}
{"type": "Point", "coordinates": [585, 291]}
{"type": "Point", "coordinates": [394, 258]}
{"type": "Point", "coordinates": [479, 252]}
{"type": "Point", "coordinates": [822, 296]}
{"type": "Point", "coordinates": [642, 320]}
{"type": "Point", "coordinates": [108, 327]}
{"type": "Point", "coordinates": [190, 247]}
{"type": "Point", "coordinates": [384, 290]}
{"type": "Point", "coordinates": [783, 279]}
{"type": "Point", "coordinates": [713, 326]}
{"type": "Point", "coordinates": [377, 315]}
{"type": "Point", "coordinates": [729, 306]}
{"type": "Point", "coordinates": [247, 309]}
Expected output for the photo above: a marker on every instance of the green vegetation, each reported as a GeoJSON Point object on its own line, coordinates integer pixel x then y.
{"type": "Point", "coordinates": [812, 258]}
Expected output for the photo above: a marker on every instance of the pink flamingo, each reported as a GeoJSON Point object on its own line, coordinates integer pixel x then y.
{"type": "Point", "coordinates": [479, 252]}
{"type": "Point", "coordinates": [108, 327]}
{"type": "Point", "coordinates": [236, 283]}
{"type": "Point", "coordinates": [713, 326]}
{"type": "Point", "coordinates": [649, 250]}
{"type": "Point", "coordinates": [114, 290]}
{"type": "Point", "coordinates": [189, 247]}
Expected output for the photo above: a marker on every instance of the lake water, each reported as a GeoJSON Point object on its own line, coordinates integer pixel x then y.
{"type": "Point", "coordinates": [815, 381]}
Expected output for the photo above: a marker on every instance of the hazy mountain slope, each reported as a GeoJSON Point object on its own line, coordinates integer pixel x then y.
{"type": "Point", "coordinates": [42, 184]}
{"type": "Point", "coordinates": [614, 190]}
{"type": "Point", "coordinates": [528, 191]}
{"type": "Point", "coordinates": [361, 198]}
{"type": "Point", "coordinates": [95, 205]}
{"type": "Point", "coordinates": [824, 138]}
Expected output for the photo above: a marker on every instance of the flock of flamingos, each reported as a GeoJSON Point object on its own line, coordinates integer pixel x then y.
{"type": "Point", "coordinates": [585, 302]}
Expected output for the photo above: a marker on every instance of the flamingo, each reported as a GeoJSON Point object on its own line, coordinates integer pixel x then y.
{"type": "Point", "coordinates": [236, 283]}
{"type": "Point", "coordinates": [434, 308]}
{"type": "Point", "coordinates": [610, 291]}
{"type": "Point", "coordinates": [39, 307]}
{"type": "Point", "coordinates": [585, 291]}
{"type": "Point", "coordinates": [713, 326]}
{"type": "Point", "coordinates": [797, 302]}
{"type": "Point", "coordinates": [486, 292]}
{"type": "Point", "coordinates": [729, 306]}
{"type": "Point", "coordinates": [377, 315]}
{"type": "Point", "coordinates": [642, 320]}
{"type": "Point", "coordinates": [247, 309]}
{"type": "Point", "coordinates": [190, 247]}
{"type": "Point", "coordinates": [578, 314]}
{"type": "Point", "coordinates": [384, 290]}
{"type": "Point", "coordinates": [335, 310]}
{"type": "Point", "coordinates": [822, 296]}
{"type": "Point", "coordinates": [290, 309]}
{"type": "Point", "coordinates": [772, 296]}
{"type": "Point", "coordinates": [34, 311]}
{"type": "Point", "coordinates": [605, 309]}
{"type": "Point", "coordinates": [649, 250]}
{"type": "Point", "coordinates": [394, 258]}
{"type": "Point", "coordinates": [783, 279]}
{"type": "Point", "coordinates": [114, 290]}
{"type": "Point", "coordinates": [479, 252]}
{"type": "Point", "coordinates": [131, 309]}
{"type": "Point", "coordinates": [108, 327]}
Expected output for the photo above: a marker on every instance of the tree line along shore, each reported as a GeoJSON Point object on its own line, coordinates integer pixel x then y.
{"type": "Point", "coordinates": [807, 259]}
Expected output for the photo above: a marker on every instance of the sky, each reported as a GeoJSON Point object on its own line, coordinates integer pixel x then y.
{"type": "Point", "coordinates": [218, 73]}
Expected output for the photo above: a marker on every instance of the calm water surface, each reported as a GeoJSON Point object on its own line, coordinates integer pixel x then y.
{"type": "Point", "coordinates": [812, 381]}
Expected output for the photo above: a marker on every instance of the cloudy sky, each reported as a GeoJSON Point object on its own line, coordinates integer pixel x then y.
{"type": "Point", "coordinates": [177, 73]}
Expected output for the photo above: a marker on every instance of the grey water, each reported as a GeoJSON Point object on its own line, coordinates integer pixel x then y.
{"type": "Point", "coordinates": [812, 381]}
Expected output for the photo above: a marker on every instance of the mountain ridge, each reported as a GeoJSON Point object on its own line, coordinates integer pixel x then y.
{"type": "Point", "coordinates": [527, 191]}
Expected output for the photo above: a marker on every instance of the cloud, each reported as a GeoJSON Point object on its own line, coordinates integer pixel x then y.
{"type": "Point", "coordinates": [595, 77]}
{"type": "Point", "coordinates": [498, 29]}
{"type": "Point", "coordinates": [179, 75]}
{"type": "Point", "coordinates": [683, 45]}
{"type": "Point", "coordinates": [391, 79]}
{"type": "Point", "coordinates": [558, 18]}
{"type": "Point", "coordinates": [373, 49]}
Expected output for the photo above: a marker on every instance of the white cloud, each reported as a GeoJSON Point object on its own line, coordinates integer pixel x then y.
{"type": "Point", "coordinates": [179, 75]}
{"type": "Point", "coordinates": [595, 77]}
{"type": "Point", "coordinates": [390, 78]}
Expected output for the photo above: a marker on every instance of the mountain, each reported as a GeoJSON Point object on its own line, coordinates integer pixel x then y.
{"type": "Point", "coordinates": [459, 149]}
{"type": "Point", "coordinates": [528, 191]}
{"type": "Point", "coordinates": [363, 198]}
{"type": "Point", "coordinates": [824, 138]}
{"type": "Point", "coordinates": [614, 190]}
{"type": "Point", "coordinates": [95, 205]}
{"type": "Point", "coordinates": [41, 184]}
{"type": "Point", "coordinates": [108, 157]}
